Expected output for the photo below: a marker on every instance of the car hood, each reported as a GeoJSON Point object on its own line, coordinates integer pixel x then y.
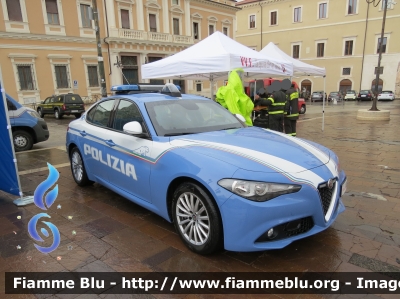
{"type": "Point", "coordinates": [257, 149]}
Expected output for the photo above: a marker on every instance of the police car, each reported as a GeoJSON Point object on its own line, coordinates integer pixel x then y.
{"type": "Point", "coordinates": [192, 162]}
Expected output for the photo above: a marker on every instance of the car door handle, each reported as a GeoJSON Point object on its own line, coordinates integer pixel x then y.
{"type": "Point", "coordinates": [110, 143]}
{"type": "Point", "coordinates": [83, 133]}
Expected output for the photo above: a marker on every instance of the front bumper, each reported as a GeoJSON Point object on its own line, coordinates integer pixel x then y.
{"type": "Point", "coordinates": [41, 131]}
{"type": "Point", "coordinates": [246, 222]}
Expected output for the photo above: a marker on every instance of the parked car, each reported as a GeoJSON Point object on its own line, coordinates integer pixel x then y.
{"type": "Point", "coordinates": [189, 160]}
{"type": "Point", "coordinates": [335, 95]}
{"type": "Point", "coordinates": [365, 95]}
{"type": "Point", "coordinates": [63, 104]}
{"type": "Point", "coordinates": [351, 95]}
{"type": "Point", "coordinates": [317, 96]}
{"type": "Point", "coordinates": [386, 95]}
{"type": "Point", "coordinates": [28, 128]}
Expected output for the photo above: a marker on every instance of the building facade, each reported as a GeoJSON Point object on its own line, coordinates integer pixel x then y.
{"type": "Point", "coordinates": [341, 36]}
{"type": "Point", "coordinates": [49, 46]}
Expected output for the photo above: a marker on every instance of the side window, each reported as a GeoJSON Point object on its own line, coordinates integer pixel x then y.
{"type": "Point", "coordinates": [46, 101]}
{"type": "Point", "coordinates": [59, 99]}
{"type": "Point", "coordinates": [10, 106]}
{"type": "Point", "coordinates": [126, 112]}
{"type": "Point", "coordinates": [52, 100]}
{"type": "Point", "coordinates": [102, 113]}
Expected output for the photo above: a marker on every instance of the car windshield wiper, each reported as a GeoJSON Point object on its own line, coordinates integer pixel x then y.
{"type": "Point", "coordinates": [231, 128]}
{"type": "Point", "coordinates": [177, 134]}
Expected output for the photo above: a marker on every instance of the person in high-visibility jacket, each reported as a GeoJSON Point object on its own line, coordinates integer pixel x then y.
{"type": "Point", "coordinates": [276, 104]}
{"type": "Point", "coordinates": [291, 111]}
{"type": "Point", "coordinates": [233, 97]}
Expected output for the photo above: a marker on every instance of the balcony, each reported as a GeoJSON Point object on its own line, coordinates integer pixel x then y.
{"type": "Point", "coordinates": [152, 36]}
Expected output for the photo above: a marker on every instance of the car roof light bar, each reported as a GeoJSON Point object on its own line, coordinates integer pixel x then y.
{"type": "Point", "coordinates": [168, 88]}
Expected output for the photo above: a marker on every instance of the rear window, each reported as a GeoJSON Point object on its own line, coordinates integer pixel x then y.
{"type": "Point", "coordinates": [73, 99]}
{"type": "Point", "coordinates": [350, 92]}
{"type": "Point", "coordinates": [387, 91]}
{"type": "Point", "coordinates": [364, 91]}
{"type": "Point", "coordinates": [334, 93]}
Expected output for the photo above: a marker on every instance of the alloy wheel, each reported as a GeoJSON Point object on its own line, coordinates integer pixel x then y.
{"type": "Point", "coordinates": [77, 166]}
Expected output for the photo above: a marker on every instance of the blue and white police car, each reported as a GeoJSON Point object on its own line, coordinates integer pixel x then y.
{"type": "Point", "coordinates": [189, 160]}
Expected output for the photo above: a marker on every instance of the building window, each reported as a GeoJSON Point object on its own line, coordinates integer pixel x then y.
{"type": "Point", "coordinates": [25, 75]}
{"type": "Point", "coordinates": [52, 12]}
{"type": "Point", "coordinates": [85, 14]}
{"type": "Point", "coordinates": [225, 30]}
{"type": "Point", "coordinates": [93, 76]}
{"type": "Point", "coordinates": [198, 87]}
{"type": "Point", "coordinates": [125, 23]}
{"type": "Point", "coordinates": [175, 23]}
{"type": "Point", "coordinates": [273, 18]}
{"type": "Point", "coordinates": [175, 2]}
{"type": "Point", "coordinates": [62, 78]}
{"type": "Point", "coordinates": [380, 70]}
{"type": "Point", "coordinates": [383, 45]}
{"type": "Point", "coordinates": [322, 10]}
{"type": "Point", "coordinates": [153, 23]}
{"type": "Point", "coordinates": [196, 34]}
{"type": "Point", "coordinates": [210, 29]}
{"type": "Point", "coordinates": [346, 71]}
{"type": "Point", "coordinates": [297, 15]}
{"type": "Point", "coordinates": [320, 49]}
{"type": "Point", "coordinates": [252, 21]}
{"type": "Point", "coordinates": [348, 47]}
{"type": "Point", "coordinates": [389, 5]}
{"type": "Point", "coordinates": [14, 10]}
{"type": "Point", "coordinates": [296, 51]}
{"type": "Point", "coordinates": [352, 7]}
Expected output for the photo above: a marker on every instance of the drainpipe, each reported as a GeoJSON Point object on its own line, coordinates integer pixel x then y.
{"type": "Point", "coordinates": [261, 25]}
{"type": "Point", "coordinates": [105, 39]}
{"type": "Point", "coordinates": [365, 38]}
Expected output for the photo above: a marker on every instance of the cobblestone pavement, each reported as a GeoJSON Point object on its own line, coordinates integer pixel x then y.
{"type": "Point", "coordinates": [108, 233]}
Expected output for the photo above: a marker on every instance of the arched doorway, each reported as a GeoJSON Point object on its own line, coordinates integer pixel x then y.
{"type": "Point", "coordinates": [305, 89]}
{"type": "Point", "coordinates": [380, 85]}
{"type": "Point", "coordinates": [345, 85]}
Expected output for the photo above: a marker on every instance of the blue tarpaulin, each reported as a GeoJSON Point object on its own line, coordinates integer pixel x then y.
{"type": "Point", "coordinates": [8, 169]}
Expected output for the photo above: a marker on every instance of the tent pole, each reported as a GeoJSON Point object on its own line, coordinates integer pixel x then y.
{"type": "Point", "coordinates": [212, 87]}
{"type": "Point", "coordinates": [323, 105]}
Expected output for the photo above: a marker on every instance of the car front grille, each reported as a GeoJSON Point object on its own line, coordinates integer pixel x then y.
{"type": "Point", "coordinates": [326, 194]}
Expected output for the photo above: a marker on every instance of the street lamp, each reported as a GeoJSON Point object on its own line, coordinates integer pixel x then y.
{"type": "Point", "coordinates": [385, 4]}
{"type": "Point", "coordinates": [99, 50]}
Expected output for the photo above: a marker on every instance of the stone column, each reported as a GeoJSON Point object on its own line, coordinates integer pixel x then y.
{"type": "Point", "coordinates": [139, 14]}
{"type": "Point", "coordinates": [188, 27]}
{"type": "Point", "coordinates": [165, 14]}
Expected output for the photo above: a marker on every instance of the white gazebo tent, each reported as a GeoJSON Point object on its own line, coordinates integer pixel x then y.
{"type": "Point", "coordinates": [299, 68]}
{"type": "Point", "coordinates": [212, 59]}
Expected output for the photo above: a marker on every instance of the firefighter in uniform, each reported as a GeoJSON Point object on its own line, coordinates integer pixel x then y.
{"type": "Point", "coordinates": [276, 104]}
{"type": "Point", "coordinates": [292, 111]}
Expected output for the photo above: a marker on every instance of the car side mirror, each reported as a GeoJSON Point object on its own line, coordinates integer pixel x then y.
{"type": "Point", "coordinates": [133, 128]}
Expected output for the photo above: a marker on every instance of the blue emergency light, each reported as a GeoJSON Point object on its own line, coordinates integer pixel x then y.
{"type": "Point", "coordinates": [169, 88]}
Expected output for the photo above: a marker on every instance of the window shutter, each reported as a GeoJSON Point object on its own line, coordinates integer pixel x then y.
{"type": "Point", "coordinates": [51, 6]}
{"type": "Point", "coordinates": [176, 26]}
{"type": "Point", "coordinates": [152, 20]}
{"type": "Point", "coordinates": [125, 19]}
{"type": "Point", "coordinates": [14, 10]}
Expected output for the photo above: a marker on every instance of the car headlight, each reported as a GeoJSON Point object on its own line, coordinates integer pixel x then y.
{"type": "Point", "coordinates": [34, 114]}
{"type": "Point", "coordinates": [257, 191]}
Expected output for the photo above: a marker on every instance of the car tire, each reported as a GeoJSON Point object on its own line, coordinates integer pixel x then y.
{"type": "Point", "coordinates": [57, 114]}
{"type": "Point", "coordinates": [23, 141]}
{"type": "Point", "coordinates": [78, 115]}
{"type": "Point", "coordinates": [40, 111]}
{"type": "Point", "coordinates": [78, 168]}
{"type": "Point", "coordinates": [302, 109]}
{"type": "Point", "coordinates": [188, 200]}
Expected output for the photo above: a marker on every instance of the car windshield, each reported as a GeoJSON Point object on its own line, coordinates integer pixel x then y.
{"type": "Point", "coordinates": [364, 91]}
{"type": "Point", "coordinates": [317, 92]}
{"type": "Point", "coordinates": [334, 93]}
{"type": "Point", "coordinates": [179, 117]}
{"type": "Point", "coordinates": [73, 99]}
{"type": "Point", "coordinates": [387, 91]}
{"type": "Point", "coordinates": [350, 92]}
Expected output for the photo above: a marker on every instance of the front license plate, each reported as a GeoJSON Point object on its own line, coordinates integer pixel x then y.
{"type": "Point", "coordinates": [73, 111]}
{"type": "Point", "coordinates": [344, 188]}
